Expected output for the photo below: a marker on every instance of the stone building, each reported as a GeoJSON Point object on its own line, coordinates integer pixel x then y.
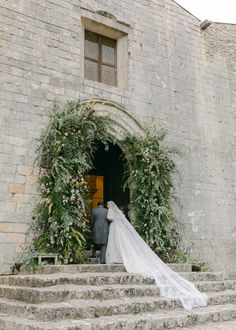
{"type": "Point", "coordinates": [146, 62]}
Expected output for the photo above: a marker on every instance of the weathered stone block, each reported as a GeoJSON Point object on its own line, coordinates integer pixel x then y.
{"type": "Point", "coordinates": [18, 238]}
{"type": "Point", "coordinates": [22, 198]}
{"type": "Point", "coordinates": [6, 227]}
{"type": "Point", "coordinates": [17, 188]}
{"type": "Point", "coordinates": [25, 170]}
{"type": "Point", "coordinates": [19, 179]}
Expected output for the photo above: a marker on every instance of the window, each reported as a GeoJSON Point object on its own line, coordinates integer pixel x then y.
{"type": "Point", "coordinates": [104, 50]}
{"type": "Point", "coordinates": [100, 63]}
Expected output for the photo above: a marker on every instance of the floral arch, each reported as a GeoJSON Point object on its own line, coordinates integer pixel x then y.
{"type": "Point", "coordinates": [65, 155]}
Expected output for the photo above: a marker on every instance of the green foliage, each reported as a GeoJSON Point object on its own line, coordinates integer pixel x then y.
{"type": "Point", "coordinates": [25, 261]}
{"type": "Point", "coordinates": [65, 155]}
{"type": "Point", "coordinates": [180, 255]}
{"type": "Point", "coordinates": [149, 177]}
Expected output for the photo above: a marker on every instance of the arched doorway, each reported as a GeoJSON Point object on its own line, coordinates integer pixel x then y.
{"type": "Point", "coordinates": [124, 121]}
{"type": "Point", "coordinates": [109, 165]}
{"type": "Point", "coordinates": [106, 179]}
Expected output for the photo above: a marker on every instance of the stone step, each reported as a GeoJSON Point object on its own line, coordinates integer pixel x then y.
{"type": "Point", "coordinates": [180, 267]}
{"type": "Point", "coordinates": [146, 321]}
{"type": "Point", "coordinates": [177, 267]}
{"type": "Point", "coordinates": [96, 278]}
{"type": "Point", "coordinates": [58, 293]}
{"type": "Point", "coordinates": [63, 292]}
{"type": "Point", "coordinates": [78, 308]}
{"type": "Point", "coordinates": [227, 325]}
{"type": "Point", "coordinates": [79, 268]}
{"type": "Point", "coordinates": [89, 253]}
{"type": "Point", "coordinates": [208, 286]}
{"type": "Point", "coordinates": [93, 260]}
{"type": "Point", "coordinates": [94, 268]}
{"type": "Point", "coordinates": [204, 276]}
{"type": "Point", "coordinates": [79, 279]}
{"type": "Point", "coordinates": [220, 298]}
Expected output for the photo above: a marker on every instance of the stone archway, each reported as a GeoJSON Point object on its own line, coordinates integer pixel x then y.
{"type": "Point", "coordinates": [124, 121]}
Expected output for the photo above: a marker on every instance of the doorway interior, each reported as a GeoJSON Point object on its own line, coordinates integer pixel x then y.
{"type": "Point", "coordinates": [106, 179]}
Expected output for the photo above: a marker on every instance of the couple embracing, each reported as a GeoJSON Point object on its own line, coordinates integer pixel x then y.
{"type": "Point", "coordinates": [120, 243]}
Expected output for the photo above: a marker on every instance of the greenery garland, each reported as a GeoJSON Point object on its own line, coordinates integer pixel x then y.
{"type": "Point", "coordinates": [149, 177]}
{"type": "Point", "coordinates": [65, 155]}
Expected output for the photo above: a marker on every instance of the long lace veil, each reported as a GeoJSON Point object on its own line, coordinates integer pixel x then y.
{"type": "Point", "coordinates": [138, 258]}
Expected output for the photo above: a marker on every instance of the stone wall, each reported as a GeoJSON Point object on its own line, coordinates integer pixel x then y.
{"type": "Point", "coordinates": [179, 77]}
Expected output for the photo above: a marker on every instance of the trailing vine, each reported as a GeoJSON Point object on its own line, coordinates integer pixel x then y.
{"type": "Point", "coordinates": [65, 155]}
{"type": "Point", "coordinates": [149, 177]}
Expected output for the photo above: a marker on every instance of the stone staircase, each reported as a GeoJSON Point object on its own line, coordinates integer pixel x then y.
{"type": "Point", "coordinates": [107, 297]}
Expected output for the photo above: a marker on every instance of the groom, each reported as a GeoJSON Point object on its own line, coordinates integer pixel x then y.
{"type": "Point", "coordinates": [100, 229]}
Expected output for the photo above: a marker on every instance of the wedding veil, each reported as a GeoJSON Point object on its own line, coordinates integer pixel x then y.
{"type": "Point", "coordinates": [138, 258]}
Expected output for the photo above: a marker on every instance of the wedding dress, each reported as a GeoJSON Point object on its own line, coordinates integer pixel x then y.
{"type": "Point", "coordinates": [127, 247]}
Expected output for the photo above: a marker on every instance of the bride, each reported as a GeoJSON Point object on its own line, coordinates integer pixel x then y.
{"type": "Point", "coordinates": [127, 247]}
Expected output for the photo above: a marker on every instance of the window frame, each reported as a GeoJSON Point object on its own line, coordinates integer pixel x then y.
{"type": "Point", "coordinates": [113, 29]}
{"type": "Point", "coordinates": [99, 61]}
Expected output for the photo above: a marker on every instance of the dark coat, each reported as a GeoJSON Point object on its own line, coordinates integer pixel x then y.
{"type": "Point", "coordinates": [100, 225]}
